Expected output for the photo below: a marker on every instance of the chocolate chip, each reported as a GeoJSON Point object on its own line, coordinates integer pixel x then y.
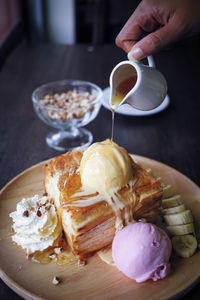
{"type": "Point", "coordinates": [26, 213]}
{"type": "Point", "coordinates": [39, 213]}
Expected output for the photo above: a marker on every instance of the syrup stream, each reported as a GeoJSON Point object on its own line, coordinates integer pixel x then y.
{"type": "Point", "coordinates": [113, 123]}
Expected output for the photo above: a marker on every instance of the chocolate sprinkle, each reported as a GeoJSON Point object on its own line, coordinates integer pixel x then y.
{"type": "Point", "coordinates": [26, 213]}
{"type": "Point", "coordinates": [39, 213]}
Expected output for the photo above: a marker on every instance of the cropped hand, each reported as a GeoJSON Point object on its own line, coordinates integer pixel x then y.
{"type": "Point", "coordinates": [158, 23]}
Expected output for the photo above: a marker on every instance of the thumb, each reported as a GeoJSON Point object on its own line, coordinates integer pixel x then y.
{"type": "Point", "coordinates": [155, 41]}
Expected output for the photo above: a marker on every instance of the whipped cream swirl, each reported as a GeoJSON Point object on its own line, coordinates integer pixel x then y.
{"type": "Point", "coordinates": [35, 224]}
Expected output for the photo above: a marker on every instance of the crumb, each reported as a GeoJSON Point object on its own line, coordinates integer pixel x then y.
{"type": "Point", "coordinates": [39, 213]}
{"type": "Point", "coordinates": [42, 202]}
{"type": "Point", "coordinates": [82, 262]}
{"type": "Point", "coordinates": [57, 250]}
{"type": "Point", "coordinates": [26, 213]}
{"type": "Point", "coordinates": [56, 280]}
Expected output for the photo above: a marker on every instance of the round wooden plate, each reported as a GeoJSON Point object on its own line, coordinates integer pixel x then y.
{"type": "Point", "coordinates": [96, 280]}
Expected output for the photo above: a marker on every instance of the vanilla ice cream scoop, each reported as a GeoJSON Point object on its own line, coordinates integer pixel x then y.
{"type": "Point", "coordinates": [105, 167]}
{"type": "Point", "coordinates": [142, 251]}
{"type": "Point", "coordinates": [35, 224]}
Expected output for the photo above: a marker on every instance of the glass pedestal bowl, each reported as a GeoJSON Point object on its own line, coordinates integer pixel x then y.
{"type": "Point", "coordinates": [68, 105]}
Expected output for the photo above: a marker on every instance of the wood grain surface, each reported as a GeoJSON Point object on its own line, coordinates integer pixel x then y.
{"type": "Point", "coordinates": [96, 280]}
{"type": "Point", "coordinates": [171, 137]}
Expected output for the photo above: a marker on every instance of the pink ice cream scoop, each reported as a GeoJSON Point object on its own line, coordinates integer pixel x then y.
{"type": "Point", "coordinates": [142, 251]}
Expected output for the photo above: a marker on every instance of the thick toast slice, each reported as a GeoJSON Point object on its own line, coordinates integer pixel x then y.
{"type": "Point", "coordinates": [92, 227]}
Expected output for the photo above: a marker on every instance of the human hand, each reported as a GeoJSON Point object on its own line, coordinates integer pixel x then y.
{"type": "Point", "coordinates": [158, 23]}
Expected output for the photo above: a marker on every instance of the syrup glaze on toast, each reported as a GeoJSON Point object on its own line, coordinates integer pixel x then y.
{"type": "Point", "coordinates": [89, 228]}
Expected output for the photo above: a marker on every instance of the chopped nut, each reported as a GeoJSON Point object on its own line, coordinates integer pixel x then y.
{"type": "Point", "coordinates": [57, 250]}
{"type": "Point", "coordinates": [48, 206]}
{"type": "Point", "coordinates": [42, 210]}
{"type": "Point", "coordinates": [80, 114]}
{"type": "Point", "coordinates": [82, 262]}
{"type": "Point", "coordinates": [56, 280]}
{"type": "Point", "coordinates": [73, 104]}
{"type": "Point", "coordinates": [39, 213]}
{"type": "Point", "coordinates": [26, 213]}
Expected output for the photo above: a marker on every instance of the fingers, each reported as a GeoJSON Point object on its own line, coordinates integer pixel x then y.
{"type": "Point", "coordinates": [156, 24]}
{"type": "Point", "coordinates": [139, 23]}
{"type": "Point", "coordinates": [155, 41]}
{"type": "Point", "coordinates": [125, 45]}
{"type": "Point", "coordinates": [129, 35]}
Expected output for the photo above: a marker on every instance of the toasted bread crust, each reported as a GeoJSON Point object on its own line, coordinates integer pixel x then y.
{"type": "Point", "coordinates": [92, 227]}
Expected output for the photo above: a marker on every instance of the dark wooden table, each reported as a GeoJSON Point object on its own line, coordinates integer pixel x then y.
{"type": "Point", "coordinates": [171, 136]}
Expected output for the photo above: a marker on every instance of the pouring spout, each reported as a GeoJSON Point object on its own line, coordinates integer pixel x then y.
{"type": "Point", "coordinates": [122, 80]}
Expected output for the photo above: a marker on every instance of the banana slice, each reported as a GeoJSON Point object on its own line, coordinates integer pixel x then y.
{"type": "Point", "coordinates": [184, 245]}
{"type": "Point", "coordinates": [174, 210]}
{"type": "Point", "coordinates": [180, 229]}
{"type": "Point", "coordinates": [172, 201]}
{"type": "Point", "coordinates": [167, 191]}
{"type": "Point", "coordinates": [183, 217]}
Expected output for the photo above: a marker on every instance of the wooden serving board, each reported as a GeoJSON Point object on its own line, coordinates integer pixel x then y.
{"type": "Point", "coordinates": [96, 280]}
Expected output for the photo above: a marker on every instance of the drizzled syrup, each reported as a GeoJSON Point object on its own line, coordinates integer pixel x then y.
{"type": "Point", "coordinates": [64, 258]}
{"type": "Point", "coordinates": [113, 123]}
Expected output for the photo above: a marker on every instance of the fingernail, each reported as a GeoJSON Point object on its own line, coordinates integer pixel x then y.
{"type": "Point", "coordinates": [137, 53]}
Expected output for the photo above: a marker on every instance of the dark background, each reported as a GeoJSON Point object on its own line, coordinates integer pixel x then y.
{"type": "Point", "coordinates": [28, 59]}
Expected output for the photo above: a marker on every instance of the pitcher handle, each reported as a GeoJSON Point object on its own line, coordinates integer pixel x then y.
{"type": "Point", "coordinates": [150, 59]}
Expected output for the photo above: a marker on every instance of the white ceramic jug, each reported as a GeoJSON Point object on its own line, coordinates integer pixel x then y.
{"type": "Point", "coordinates": [149, 86]}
